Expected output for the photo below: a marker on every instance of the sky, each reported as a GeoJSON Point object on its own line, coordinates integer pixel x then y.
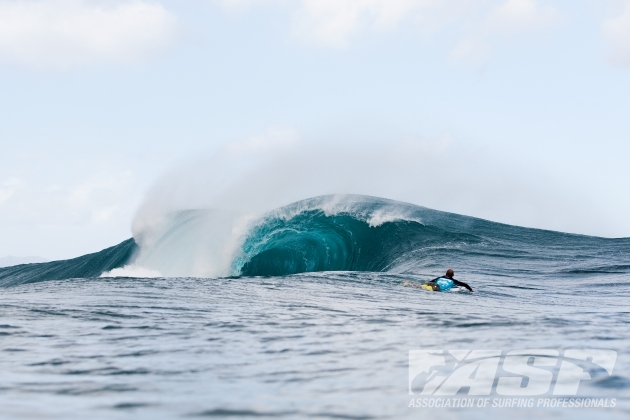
{"type": "Point", "coordinates": [516, 111]}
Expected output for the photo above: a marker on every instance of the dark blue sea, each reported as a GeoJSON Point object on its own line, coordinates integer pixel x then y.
{"type": "Point", "coordinates": [302, 312]}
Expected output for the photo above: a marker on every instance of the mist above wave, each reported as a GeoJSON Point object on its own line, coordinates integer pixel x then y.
{"type": "Point", "coordinates": [262, 173]}
{"type": "Point", "coordinates": [214, 216]}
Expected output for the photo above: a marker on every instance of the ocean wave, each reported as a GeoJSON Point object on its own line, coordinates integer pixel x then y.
{"type": "Point", "coordinates": [335, 233]}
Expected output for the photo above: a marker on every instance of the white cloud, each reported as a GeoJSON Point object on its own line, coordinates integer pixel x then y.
{"type": "Point", "coordinates": [68, 33]}
{"type": "Point", "coordinates": [96, 200]}
{"type": "Point", "coordinates": [103, 215]}
{"type": "Point", "coordinates": [8, 188]}
{"type": "Point", "coordinates": [335, 23]}
{"type": "Point", "coordinates": [476, 25]}
{"type": "Point", "coordinates": [471, 49]}
{"type": "Point", "coordinates": [507, 18]}
{"type": "Point", "coordinates": [617, 32]}
{"type": "Point", "coordinates": [246, 4]}
{"type": "Point", "coordinates": [519, 15]}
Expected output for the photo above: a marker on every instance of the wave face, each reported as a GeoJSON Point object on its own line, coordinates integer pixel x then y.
{"type": "Point", "coordinates": [90, 265]}
{"type": "Point", "coordinates": [313, 241]}
{"type": "Point", "coordinates": [359, 233]}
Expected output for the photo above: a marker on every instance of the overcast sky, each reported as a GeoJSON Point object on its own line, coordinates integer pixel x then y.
{"type": "Point", "coordinates": [523, 104]}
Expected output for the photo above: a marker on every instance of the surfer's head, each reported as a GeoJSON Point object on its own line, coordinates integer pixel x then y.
{"type": "Point", "coordinates": [449, 273]}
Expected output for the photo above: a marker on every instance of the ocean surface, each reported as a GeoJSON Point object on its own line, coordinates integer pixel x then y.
{"type": "Point", "coordinates": [301, 313]}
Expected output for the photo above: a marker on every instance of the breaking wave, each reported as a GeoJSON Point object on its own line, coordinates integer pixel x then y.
{"type": "Point", "coordinates": [335, 233]}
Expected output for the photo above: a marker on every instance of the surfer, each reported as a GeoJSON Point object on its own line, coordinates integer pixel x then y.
{"type": "Point", "coordinates": [449, 276]}
{"type": "Point", "coordinates": [441, 284]}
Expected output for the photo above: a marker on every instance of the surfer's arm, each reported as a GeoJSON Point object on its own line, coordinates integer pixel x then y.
{"type": "Point", "coordinates": [462, 284]}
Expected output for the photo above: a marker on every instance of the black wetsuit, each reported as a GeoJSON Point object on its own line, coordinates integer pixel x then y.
{"type": "Point", "coordinates": [436, 288]}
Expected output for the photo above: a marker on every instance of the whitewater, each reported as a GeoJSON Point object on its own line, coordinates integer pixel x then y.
{"type": "Point", "coordinates": [300, 312]}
